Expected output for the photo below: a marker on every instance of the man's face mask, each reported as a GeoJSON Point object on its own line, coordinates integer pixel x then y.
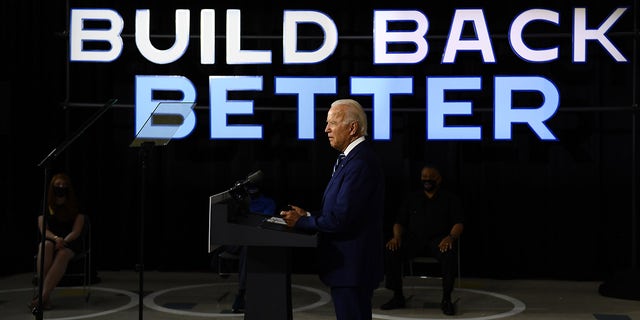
{"type": "Point", "coordinates": [429, 185]}
{"type": "Point", "coordinates": [60, 191]}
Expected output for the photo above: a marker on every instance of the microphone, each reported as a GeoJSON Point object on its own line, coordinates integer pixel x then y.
{"type": "Point", "coordinates": [255, 177]}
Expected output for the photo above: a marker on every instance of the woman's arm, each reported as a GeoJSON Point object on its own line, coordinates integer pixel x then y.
{"type": "Point", "coordinates": [78, 225]}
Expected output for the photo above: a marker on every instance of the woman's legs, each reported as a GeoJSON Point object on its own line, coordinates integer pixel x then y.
{"type": "Point", "coordinates": [48, 258]}
{"type": "Point", "coordinates": [56, 271]}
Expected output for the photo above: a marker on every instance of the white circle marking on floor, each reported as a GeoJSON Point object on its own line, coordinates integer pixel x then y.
{"type": "Point", "coordinates": [150, 303]}
{"type": "Point", "coordinates": [133, 301]}
{"type": "Point", "coordinates": [518, 306]}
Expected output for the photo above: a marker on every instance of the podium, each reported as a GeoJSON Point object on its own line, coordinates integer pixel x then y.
{"type": "Point", "coordinates": [268, 295]}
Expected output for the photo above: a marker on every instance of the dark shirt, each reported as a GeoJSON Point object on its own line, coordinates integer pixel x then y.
{"type": "Point", "coordinates": [263, 204]}
{"type": "Point", "coordinates": [424, 219]}
{"type": "Point", "coordinates": [62, 228]}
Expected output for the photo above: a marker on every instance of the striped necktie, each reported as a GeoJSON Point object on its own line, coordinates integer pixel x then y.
{"type": "Point", "coordinates": [338, 161]}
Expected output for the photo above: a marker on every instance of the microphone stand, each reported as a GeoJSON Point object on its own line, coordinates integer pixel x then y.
{"type": "Point", "coordinates": [146, 149]}
{"type": "Point", "coordinates": [46, 164]}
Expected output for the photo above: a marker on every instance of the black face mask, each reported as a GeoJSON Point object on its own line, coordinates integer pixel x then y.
{"type": "Point", "coordinates": [60, 191]}
{"type": "Point", "coordinates": [429, 185]}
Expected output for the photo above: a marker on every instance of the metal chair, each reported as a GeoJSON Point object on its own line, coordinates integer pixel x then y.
{"type": "Point", "coordinates": [429, 260]}
{"type": "Point", "coordinates": [225, 259]}
{"type": "Point", "coordinates": [432, 261]}
{"type": "Point", "coordinates": [83, 261]}
{"type": "Point", "coordinates": [79, 267]}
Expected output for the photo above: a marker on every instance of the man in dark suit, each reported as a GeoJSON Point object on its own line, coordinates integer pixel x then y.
{"type": "Point", "coordinates": [349, 226]}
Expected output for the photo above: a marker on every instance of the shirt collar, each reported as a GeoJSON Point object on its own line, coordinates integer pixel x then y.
{"type": "Point", "coordinates": [352, 145]}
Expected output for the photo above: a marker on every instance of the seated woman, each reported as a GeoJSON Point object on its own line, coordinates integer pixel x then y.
{"type": "Point", "coordinates": [64, 229]}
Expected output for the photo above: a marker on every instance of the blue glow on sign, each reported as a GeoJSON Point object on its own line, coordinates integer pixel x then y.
{"type": "Point", "coordinates": [381, 88]}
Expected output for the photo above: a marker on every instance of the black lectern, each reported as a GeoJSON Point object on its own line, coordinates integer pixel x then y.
{"type": "Point", "coordinates": [268, 295]}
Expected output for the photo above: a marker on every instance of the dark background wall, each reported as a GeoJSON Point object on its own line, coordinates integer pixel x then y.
{"type": "Point", "coordinates": [555, 209]}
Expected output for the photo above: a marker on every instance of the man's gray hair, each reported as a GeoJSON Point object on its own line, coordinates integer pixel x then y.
{"type": "Point", "coordinates": [354, 112]}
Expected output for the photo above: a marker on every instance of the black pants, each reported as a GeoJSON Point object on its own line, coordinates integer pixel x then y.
{"type": "Point", "coordinates": [352, 303]}
{"type": "Point", "coordinates": [241, 252]}
{"type": "Point", "coordinates": [394, 261]}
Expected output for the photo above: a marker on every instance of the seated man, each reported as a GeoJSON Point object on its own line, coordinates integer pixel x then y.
{"type": "Point", "coordinates": [259, 203]}
{"type": "Point", "coordinates": [430, 220]}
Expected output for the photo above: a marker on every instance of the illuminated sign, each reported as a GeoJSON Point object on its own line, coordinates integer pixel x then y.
{"type": "Point", "coordinates": [381, 88]}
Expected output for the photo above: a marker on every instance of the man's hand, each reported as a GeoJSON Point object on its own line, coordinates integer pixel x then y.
{"type": "Point", "coordinates": [446, 244]}
{"type": "Point", "coordinates": [291, 216]}
{"type": "Point", "coordinates": [394, 244]}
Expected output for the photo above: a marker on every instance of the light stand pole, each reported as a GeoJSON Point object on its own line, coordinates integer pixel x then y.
{"type": "Point", "coordinates": [145, 150]}
{"type": "Point", "coordinates": [46, 164]}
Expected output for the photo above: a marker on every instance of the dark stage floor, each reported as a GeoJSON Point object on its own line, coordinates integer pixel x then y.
{"type": "Point", "coordinates": [172, 295]}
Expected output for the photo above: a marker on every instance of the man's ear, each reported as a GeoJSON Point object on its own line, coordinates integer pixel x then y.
{"type": "Point", "coordinates": [355, 127]}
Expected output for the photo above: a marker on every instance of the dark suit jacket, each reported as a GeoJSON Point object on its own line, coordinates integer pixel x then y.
{"type": "Point", "coordinates": [350, 239]}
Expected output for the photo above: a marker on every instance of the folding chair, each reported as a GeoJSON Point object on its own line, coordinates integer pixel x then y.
{"type": "Point", "coordinates": [79, 268]}
{"type": "Point", "coordinates": [227, 263]}
{"type": "Point", "coordinates": [80, 265]}
{"type": "Point", "coordinates": [432, 261]}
